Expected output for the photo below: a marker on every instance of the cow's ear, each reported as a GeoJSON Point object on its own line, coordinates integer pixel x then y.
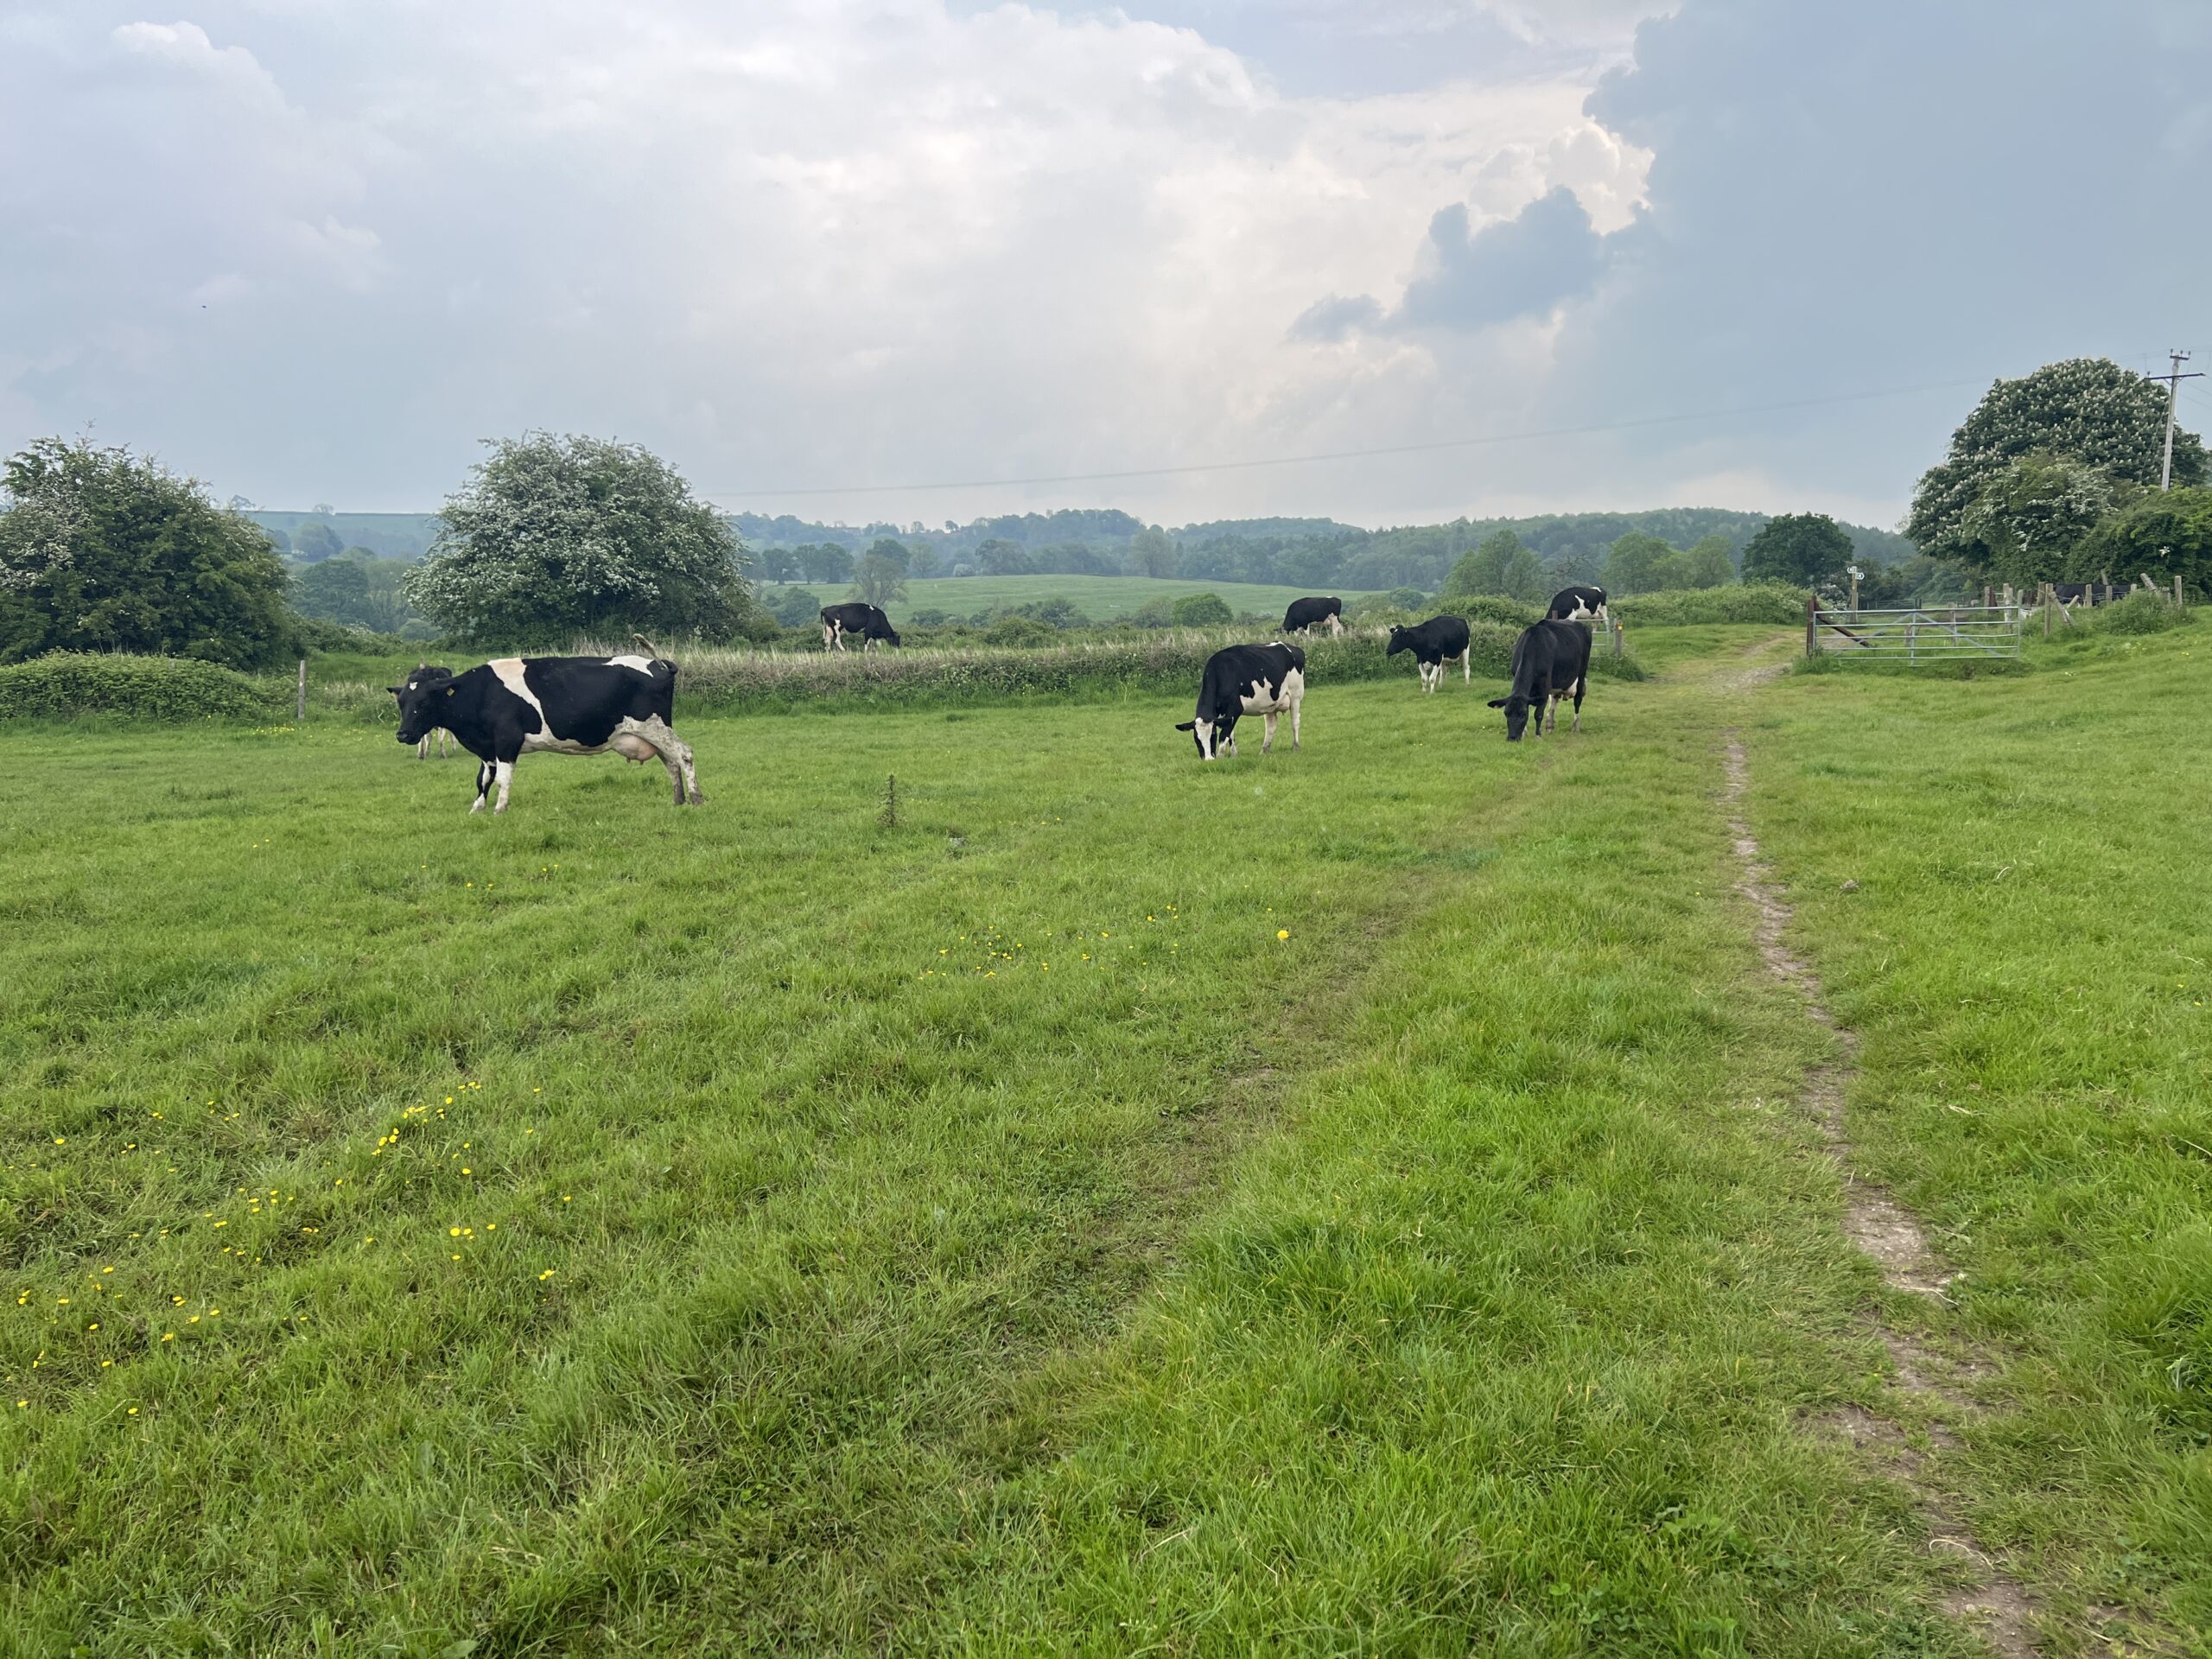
{"type": "Point", "coordinates": [1187, 725]}
{"type": "Point", "coordinates": [1497, 702]}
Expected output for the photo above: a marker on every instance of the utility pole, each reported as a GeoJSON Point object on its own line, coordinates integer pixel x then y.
{"type": "Point", "coordinates": [2173, 396]}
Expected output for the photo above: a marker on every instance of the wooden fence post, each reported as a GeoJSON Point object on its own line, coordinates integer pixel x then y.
{"type": "Point", "coordinates": [300, 708]}
{"type": "Point", "coordinates": [2047, 591]}
{"type": "Point", "coordinates": [1616, 632]}
{"type": "Point", "coordinates": [2177, 591]}
{"type": "Point", "coordinates": [1812, 626]}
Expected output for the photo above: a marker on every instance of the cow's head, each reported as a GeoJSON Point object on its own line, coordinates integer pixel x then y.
{"type": "Point", "coordinates": [1399, 640]}
{"type": "Point", "coordinates": [889, 636]}
{"type": "Point", "coordinates": [1517, 708]}
{"type": "Point", "coordinates": [420, 695]}
{"type": "Point", "coordinates": [1211, 735]}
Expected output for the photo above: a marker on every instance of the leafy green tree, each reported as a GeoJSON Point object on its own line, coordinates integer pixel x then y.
{"type": "Point", "coordinates": [1633, 563]}
{"type": "Point", "coordinates": [1482, 571]}
{"type": "Point", "coordinates": [776, 564]}
{"type": "Point", "coordinates": [2162, 534]}
{"type": "Point", "coordinates": [880, 578]}
{"type": "Point", "coordinates": [1707, 563]}
{"type": "Point", "coordinates": [1202, 611]}
{"type": "Point", "coordinates": [823, 562]}
{"type": "Point", "coordinates": [2030, 517]}
{"type": "Point", "coordinates": [101, 550]}
{"type": "Point", "coordinates": [925, 563]}
{"type": "Point", "coordinates": [316, 541]}
{"type": "Point", "coordinates": [895, 551]}
{"type": "Point", "coordinates": [1152, 553]}
{"type": "Point", "coordinates": [1523, 574]}
{"type": "Point", "coordinates": [336, 590]}
{"type": "Point", "coordinates": [2087, 410]}
{"type": "Point", "coordinates": [1803, 548]}
{"type": "Point", "coordinates": [997, 557]}
{"type": "Point", "coordinates": [554, 536]}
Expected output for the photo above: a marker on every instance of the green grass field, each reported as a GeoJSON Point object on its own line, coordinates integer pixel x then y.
{"type": "Point", "coordinates": [1345, 1202]}
{"type": "Point", "coordinates": [1102, 598]}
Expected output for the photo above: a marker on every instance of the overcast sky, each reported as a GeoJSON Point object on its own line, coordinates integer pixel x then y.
{"type": "Point", "coordinates": [314, 250]}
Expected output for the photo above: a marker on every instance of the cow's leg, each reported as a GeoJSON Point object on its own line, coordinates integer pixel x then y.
{"type": "Point", "coordinates": [1467, 664]}
{"type": "Point", "coordinates": [1581, 686]}
{"type": "Point", "coordinates": [1294, 708]}
{"type": "Point", "coordinates": [423, 747]}
{"type": "Point", "coordinates": [1336, 626]}
{"type": "Point", "coordinates": [483, 784]}
{"type": "Point", "coordinates": [503, 769]}
{"type": "Point", "coordinates": [1267, 742]}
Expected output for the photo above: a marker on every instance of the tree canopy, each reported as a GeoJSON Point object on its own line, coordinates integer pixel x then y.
{"type": "Point", "coordinates": [316, 541]}
{"type": "Point", "coordinates": [1706, 564]}
{"type": "Point", "coordinates": [2088, 410]}
{"type": "Point", "coordinates": [2162, 535]}
{"type": "Point", "coordinates": [1803, 548]}
{"type": "Point", "coordinates": [553, 536]}
{"type": "Point", "coordinates": [104, 550]}
{"type": "Point", "coordinates": [880, 578]}
{"type": "Point", "coordinates": [1636, 564]}
{"type": "Point", "coordinates": [2030, 517]}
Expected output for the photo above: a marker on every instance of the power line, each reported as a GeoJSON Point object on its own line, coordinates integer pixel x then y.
{"type": "Point", "coordinates": [1352, 454]}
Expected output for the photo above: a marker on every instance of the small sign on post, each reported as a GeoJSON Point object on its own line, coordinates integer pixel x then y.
{"type": "Point", "coordinates": [1617, 634]}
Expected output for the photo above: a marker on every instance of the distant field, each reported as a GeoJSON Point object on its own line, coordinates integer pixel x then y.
{"type": "Point", "coordinates": [1100, 598]}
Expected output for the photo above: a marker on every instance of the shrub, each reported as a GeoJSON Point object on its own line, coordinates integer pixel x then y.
{"type": "Point", "coordinates": [1201, 611]}
{"type": "Point", "coordinates": [68, 684]}
{"type": "Point", "coordinates": [1491, 608]}
{"type": "Point", "coordinates": [2141, 611]}
{"type": "Point", "coordinates": [1020, 631]}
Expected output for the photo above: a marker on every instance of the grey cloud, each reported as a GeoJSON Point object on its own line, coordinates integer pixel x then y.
{"type": "Point", "coordinates": [1337, 318]}
{"type": "Point", "coordinates": [1526, 266]}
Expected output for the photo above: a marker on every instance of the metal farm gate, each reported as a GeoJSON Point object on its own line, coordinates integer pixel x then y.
{"type": "Point", "coordinates": [1918, 634]}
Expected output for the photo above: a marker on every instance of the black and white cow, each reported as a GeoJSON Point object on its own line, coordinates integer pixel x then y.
{"type": "Point", "coordinates": [1551, 661]}
{"type": "Point", "coordinates": [426, 673]}
{"type": "Point", "coordinates": [1577, 604]}
{"type": "Point", "coordinates": [1433, 643]}
{"type": "Point", "coordinates": [1239, 680]}
{"type": "Point", "coordinates": [514, 706]}
{"type": "Point", "coordinates": [1312, 612]}
{"type": "Point", "coordinates": [857, 617]}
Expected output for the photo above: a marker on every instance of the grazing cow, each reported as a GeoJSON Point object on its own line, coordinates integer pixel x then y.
{"type": "Point", "coordinates": [1310, 613]}
{"type": "Point", "coordinates": [1433, 643]}
{"type": "Point", "coordinates": [866, 621]}
{"type": "Point", "coordinates": [1246, 680]}
{"type": "Point", "coordinates": [425, 674]}
{"type": "Point", "coordinates": [514, 706]}
{"type": "Point", "coordinates": [1551, 661]}
{"type": "Point", "coordinates": [1578, 605]}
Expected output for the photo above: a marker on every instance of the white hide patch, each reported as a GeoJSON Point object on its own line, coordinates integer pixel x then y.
{"type": "Point", "coordinates": [1260, 701]}
{"type": "Point", "coordinates": [643, 664]}
{"type": "Point", "coordinates": [509, 669]}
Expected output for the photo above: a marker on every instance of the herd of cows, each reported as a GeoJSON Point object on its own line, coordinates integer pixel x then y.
{"type": "Point", "coordinates": [512, 706]}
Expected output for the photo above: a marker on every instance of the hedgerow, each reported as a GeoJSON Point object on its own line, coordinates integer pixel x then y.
{"type": "Point", "coordinates": [1753, 601]}
{"type": "Point", "coordinates": [67, 685]}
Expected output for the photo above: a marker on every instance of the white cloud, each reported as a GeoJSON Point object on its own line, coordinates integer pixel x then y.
{"type": "Point", "coordinates": [821, 243]}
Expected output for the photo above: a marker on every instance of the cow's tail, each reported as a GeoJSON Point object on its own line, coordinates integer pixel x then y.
{"type": "Point", "coordinates": [651, 649]}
